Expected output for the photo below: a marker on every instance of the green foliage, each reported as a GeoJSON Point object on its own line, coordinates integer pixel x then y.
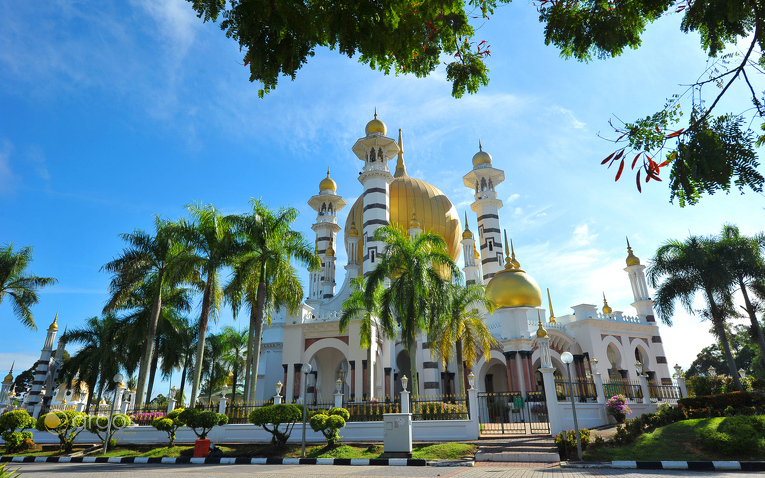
{"type": "Point", "coordinates": [17, 441]}
{"type": "Point", "coordinates": [18, 285]}
{"type": "Point", "coordinates": [65, 424]}
{"type": "Point", "coordinates": [169, 424]}
{"type": "Point", "coordinates": [202, 422]}
{"type": "Point", "coordinates": [329, 422]}
{"type": "Point", "coordinates": [633, 429]}
{"type": "Point", "coordinates": [278, 37]}
{"type": "Point", "coordinates": [99, 426]}
{"type": "Point", "coordinates": [735, 434]}
{"type": "Point", "coordinates": [16, 419]}
{"type": "Point", "coordinates": [8, 473]}
{"type": "Point", "coordinates": [566, 443]}
{"type": "Point", "coordinates": [283, 414]}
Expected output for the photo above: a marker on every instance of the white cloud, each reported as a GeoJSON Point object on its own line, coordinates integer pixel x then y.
{"type": "Point", "coordinates": [513, 197]}
{"type": "Point", "coordinates": [568, 116]}
{"type": "Point", "coordinates": [582, 235]}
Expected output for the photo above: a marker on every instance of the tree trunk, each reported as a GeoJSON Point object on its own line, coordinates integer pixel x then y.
{"type": "Point", "coordinates": [183, 381]}
{"type": "Point", "coordinates": [756, 329]}
{"type": "Point", "coordinates": [460, 369]}
{"type": "Point", "coordinates": [233, 398]}
{"type": "Point", "coordinates": [201, 341]}
{"type": "Point", "coordinates": [248, 375]}
{"type": "Point", "coordinates": [143, 370]}
{"type": "Point", "coordinates": [152, 370]}
{"type": "Point", "coordinates": [723, 337]}
{"type": "Point", "coordinates": [256, 331]}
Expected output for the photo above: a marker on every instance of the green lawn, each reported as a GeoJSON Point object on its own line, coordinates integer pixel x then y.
{"type": "Point", "coordinates": [423, 451]}
{"type": "Point", "coordinates": [675, 442]}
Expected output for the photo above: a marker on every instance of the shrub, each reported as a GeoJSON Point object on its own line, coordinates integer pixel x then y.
{"type": "Point", "coordinates": [169, 424]}
{"type": "Point", "coordinates": [9, 473]}
{"type": "Point", "coordinates": [202, 422]}
{"type": "Point", "coordinates": [329, 423]}
{"type": "Point", "coordinates": [719, 402]}
{"type": "Point", "coordinates": [99, 425]}
{"type": "Point", "coordinates": [16, 441]}
{"type": "Point", "coordinates": [566, 442]}
{"type": "Point", "coordinates": [616, 407]}
{"type": "Point", "coordinates": [277, 415]}
{"type": "Point", "coordinates": [734, 435]}
{"type": "Point", "coordinates": [66, 424]}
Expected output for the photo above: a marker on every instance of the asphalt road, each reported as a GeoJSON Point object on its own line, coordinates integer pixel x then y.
{"type": "Point", "coordinates": [107, 470]}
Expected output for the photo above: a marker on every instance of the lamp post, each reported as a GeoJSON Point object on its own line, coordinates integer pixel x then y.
{"type": "Point", "coordinates": [567, 358]}
{"type": "Point", "coordinates": [678, 370]}
{"type": "Point", "coordinates": [594, 365]}
{"type": "Point", "coordinates": [741, 373]}
{"type": "Point", "coordinates": [711, 371]}
{"type": "Point", "coordinates": [117, 380]}
{"type": "Point", "coordinates": [471, 380]}
{"type": "Point", "coordinates": [306, 370]}
{"type": "Point", "coordinates": [639, 368]}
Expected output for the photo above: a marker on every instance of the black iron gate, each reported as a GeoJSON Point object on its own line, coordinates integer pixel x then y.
{"type": "Point", "coordinates": [501, 413]}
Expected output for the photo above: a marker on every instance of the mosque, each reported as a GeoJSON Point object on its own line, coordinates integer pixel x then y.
{"type": "Point", "coordinates": [620, 343]}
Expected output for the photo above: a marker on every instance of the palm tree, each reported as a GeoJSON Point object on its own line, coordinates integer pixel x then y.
{"type": "Point", "coordinates": [743, 256]}
{"type": "Point", "coordinates": [355, 308]}
{"type": "Point", "coordinates": [680, 270]}
{"type": "Point", "coordinates": [19, 284]}
{"type": "Point", "coordinates": [211, 235]}
{"type": "Point", "coordinates": [464, 335]}
{"type": "Point", "coordinates": [234, 353]}
{"type": "Point", "coordinates": [263, 277]}
{"type": "Point", "coordinates": [161, 258]}
{"type": "Point", "coordinates": [419, 271]}
{"type": "Point", "coordinates": [99, 358]}
{"type": "Point", "coordinates": [212, 366]}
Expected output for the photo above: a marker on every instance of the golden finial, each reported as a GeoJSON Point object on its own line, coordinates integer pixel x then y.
{"type": "Point", "coordinates": [467, 234]}
{"type": "Point", "coordinates": [632, 259]}
{"type": "Point", "coordinates": [353, 232]}
{"type": "Point", "coordinates": [400, 166]}
{"type": "Point", "coordinates": [549, 301]}
{"type": "Point", "coordinates": [480, 148]}
{"type": "Point", "coordinates": [375, 112]}
{"type": "Point", "coordinates": [9, 377]}
{"type": "Point", "coordinates": [516, 264]}
{"type": "Point", "coordinates": [606, 309]}
{"type": "Point", "coordinates": [541, 332]}
{"type": "Point", "coordinates": [414, 223]}
{"type": "Point", "coordinates": [330, 252]}
{"type": "Point", "coordinates": [508, 260]}
{"type": "Point", "coordinates": [54, 325]}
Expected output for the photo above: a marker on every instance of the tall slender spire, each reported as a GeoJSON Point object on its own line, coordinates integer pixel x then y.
{"type": "Point", "coordinates": [549, 301]}
{"type": "Point", "coordinates": [480, 147]}
{"type": "Point", "coordinates": [400, 166]}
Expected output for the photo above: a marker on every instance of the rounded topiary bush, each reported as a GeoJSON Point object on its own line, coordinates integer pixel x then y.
{"type": "Point", "coordinates": [283, 414]}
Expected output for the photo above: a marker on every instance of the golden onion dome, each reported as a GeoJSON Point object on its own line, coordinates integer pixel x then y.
{"type": "Point", "coordinates": [328, 183]}
{"type": "Point", "coordinates": [414, 223]}
{"type": "Point", "coordinates": [9, 377]}
{"type": "Point", "coordinates": [467, 234]}
{"type": "Point", "coordinates": [13, 393]}
{"type": "Point", "coordinates": [330, 251]}
{"type": "Point", "coordinates": [541, 332]}
{"type": "Point", "coordinates": [632, 259]}
{"type": "Point", "coordinates": [606, 308]}
{"type": "Point", "coordinates": [512, 287]}
{"type": "Point", "coordinates": [54, 325]}
{"type": "Point", "coordinates": [481, 157]}
{"type": "Point", "coordinates": [376, 126]}
{"type": "Point", "coordinates": [476, 255]}
{"type": "Point", "coordinates": [353, 232]}
{"type": "Point", "coordinates": [434, 210]}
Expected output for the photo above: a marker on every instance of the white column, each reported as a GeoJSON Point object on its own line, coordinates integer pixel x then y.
{"type": "Point", "coordinates": [475, 427]}
{"type": "Point", "coordinates": [405, 401]}
{"type": "Point", "coordinates": [222, 405]}
{"type": "Point", "coordinates": [554, 414]}
{"type": "Point", "coordinates": [644, 388]}
{"type": "Point", "coordinates": [599, 388]}
{"type": "Point", "coordinates": [681, 384]}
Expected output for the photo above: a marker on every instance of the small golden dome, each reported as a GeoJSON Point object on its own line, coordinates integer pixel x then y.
{"type": "Point", "coordinates": [512, 287]}
{"type": "Point", "coordinates": [328, 183]}
{"type": "Point", "coordinates": [632, 259]}
{"type": "Point", "coordinates": [481, 157]}
{"type": "Point", "coordinates": [353, 232]}
{"type": "Point", "coordinates": [54, 325]}
{"type": "Point", "coordinates": [376, 126]}
{"type": "Point", "coordinates": [9, 377]}
{"type": "Point", "coordinates": [13, 392]}
{"type": "Point", "coordinates": [606, 308]}
{"type": "Point", "coordinates": [475, 252]}
{"type": "Point", "coordinates": [541, 332]}
{"type": "Point", "coordinates": [467, 234]}
{"type": "Point", "coordinates": [330, 252]}
{"type": "Point", "coordinates": [414, 223]}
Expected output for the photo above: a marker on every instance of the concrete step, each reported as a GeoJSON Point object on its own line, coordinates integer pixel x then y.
{"type": "Point", "coordinates": [539, 457]}
{"type": "Point", "coordinates": [519, 449]}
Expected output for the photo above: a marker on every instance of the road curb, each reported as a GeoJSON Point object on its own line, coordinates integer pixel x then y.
{"type": "Point", "coordinates": [219, 461]}
{"type": "Point", "coordinates": [674, 465]}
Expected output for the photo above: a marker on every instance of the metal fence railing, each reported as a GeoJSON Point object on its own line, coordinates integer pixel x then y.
{"type": "Point", "coordinates": [629, 388]}
{"type": "Point", "coordinates": [439, 407]}
{"type": "Point", "coordinates": [370, 410]}
{"type": "Point", "coordinates": [664, 393]}
{"type": "Point", "coordinates": [583, 389]}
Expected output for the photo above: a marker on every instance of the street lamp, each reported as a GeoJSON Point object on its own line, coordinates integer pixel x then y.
{"type": "Point", "coordinates": [117, 380]}
{"type": "Point", "coordinates": [471, 380]}
{"type": "Point", "coordinates": [678, 370]}
{"type": "Point", "coordinates": [279, 387]}
{"type": "Point", "coordinates": [306, 370]}
{"type": "Point", "coordinates": [594, 365]}
{"type": "Point", "coordinates": [741, 373]}
{"type": "Point", "coordinates": [567, 358]}
{"type": "Point", "coordinates": [711, 371]}
{"type": "Point", "coordinates": [404, 382]}
{"type": "Point", "coordinates": [639, 368]}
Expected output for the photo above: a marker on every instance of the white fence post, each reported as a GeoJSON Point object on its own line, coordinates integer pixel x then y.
{"type": "Point", "coordinates": [339, 400]}
{"type": "Point", "coordinates": [554, 414]}
{"type": "Point", "coordinates": [405, 401]}
{"type": "Point", "coordinates": [171, 405]}
{"type": "Point", "coordinates": [599, 388]}
{"type": "Point", "coordinates": [222, 405]}
{"type": "Point", "coordinates": [681, 385]}
{"type": "Point", "coordinates": [475, 427]}
{"type": "Point", "coordinates": [644, 389]}
{"type": "Point", "coordinates": [277, 399]}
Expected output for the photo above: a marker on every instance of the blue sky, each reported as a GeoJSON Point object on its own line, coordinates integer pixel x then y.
{"type": "Point", "coordinates": [113, 112]}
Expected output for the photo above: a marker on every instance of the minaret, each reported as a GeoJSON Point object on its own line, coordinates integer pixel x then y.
{"type": "Point", "coordinates": [352, 246]}
{"type": "Point", "coordinates": [326, 204]}
{"type": "Point", "coordinates": [472, 268]}
{"type": "Point", "coordinates": [607, 310]}
{"type": "Point", "coordinates": [5, 388]}
{"type": "Point", "coordinates": [41, 368]}
{"type": "Point", "coordinates": [636, 271]}
{"type": "Point", "coordinates": [375, 150]}
{"type": "Point", "coordinates": [483, 179]}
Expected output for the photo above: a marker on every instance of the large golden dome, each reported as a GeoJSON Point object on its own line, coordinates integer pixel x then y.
{"type": "Point", "coordinates": [435, 211]}
{"type": "Point", "coordinates": [327, 183]}
{"type": "Point", "coordinates": [512, 287]}
{"type": "Point", "coordinates": [376, 126]}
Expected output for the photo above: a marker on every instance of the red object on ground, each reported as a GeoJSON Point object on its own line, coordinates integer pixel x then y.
{"type": "Point", "coordinates": [201, 448]}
